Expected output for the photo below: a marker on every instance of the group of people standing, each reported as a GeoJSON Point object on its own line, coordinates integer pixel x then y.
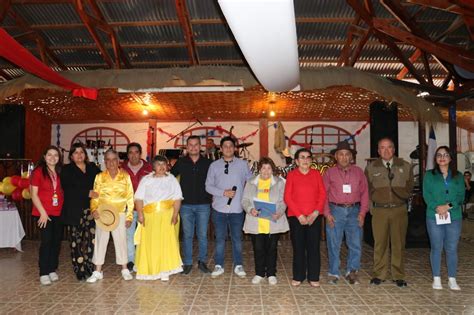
{"type": "Point", "coordinates": [150, 201]}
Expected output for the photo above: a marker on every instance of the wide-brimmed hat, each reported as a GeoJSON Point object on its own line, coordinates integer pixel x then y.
{"type": "Point", "coordinates": [343, 145]}
{"type": "Point", "coordinates": [108, 217]}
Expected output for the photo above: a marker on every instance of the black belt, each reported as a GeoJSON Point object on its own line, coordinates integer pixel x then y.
{"type": "Point", "coordinates": [345, 205]}
{"type": "Point", "coordinates": [388, 205]}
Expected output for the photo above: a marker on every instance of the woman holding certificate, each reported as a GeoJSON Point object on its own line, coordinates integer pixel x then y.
{"type": "Point", "coordinates": [443, 191]}
{"type": "Point", "coordinates": [265, 218]}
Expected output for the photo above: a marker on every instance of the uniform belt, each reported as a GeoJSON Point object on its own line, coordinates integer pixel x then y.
{"type": "Point", "coordinates": [345, 205]}
{"type": "Point", "coordinates": [388, 205]}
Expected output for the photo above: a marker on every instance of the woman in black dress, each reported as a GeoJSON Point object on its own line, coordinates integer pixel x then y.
{"type": "Point", "coordinates": [77, 179]}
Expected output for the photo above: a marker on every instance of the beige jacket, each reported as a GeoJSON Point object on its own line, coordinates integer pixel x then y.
{"type": "Point", "coordinates": [277, 189]}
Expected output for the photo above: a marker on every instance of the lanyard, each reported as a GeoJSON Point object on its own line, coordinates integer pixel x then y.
{"type": "Point", "coordinates": [54, 179]}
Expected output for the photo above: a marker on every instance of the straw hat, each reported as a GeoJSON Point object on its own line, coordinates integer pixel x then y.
{"type": "Point", "coordinates": [108, 217]}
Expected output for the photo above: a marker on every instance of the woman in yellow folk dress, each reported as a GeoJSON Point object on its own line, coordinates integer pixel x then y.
{"type": "Point", "coordinates": [157, 200]}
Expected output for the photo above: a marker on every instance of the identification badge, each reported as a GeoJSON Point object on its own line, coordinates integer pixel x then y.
{"type": "Point", "coordinates": [346, 189]}
{"type": "Point", "coordinates": [55, 200]}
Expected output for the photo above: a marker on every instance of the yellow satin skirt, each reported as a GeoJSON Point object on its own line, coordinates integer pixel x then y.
{"type": "Point", "coordinates": [157, 253]}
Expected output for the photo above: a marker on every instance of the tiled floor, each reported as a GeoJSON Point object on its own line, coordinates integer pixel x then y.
{"type": "Point", "coordinates": [20, 292]}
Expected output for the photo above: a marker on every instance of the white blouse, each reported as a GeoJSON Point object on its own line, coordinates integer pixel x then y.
{"type": "Point", "coordinates": [153, 189]}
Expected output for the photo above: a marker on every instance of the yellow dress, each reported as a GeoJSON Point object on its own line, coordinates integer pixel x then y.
{"type": "Point", "coordinates": [157, 243]}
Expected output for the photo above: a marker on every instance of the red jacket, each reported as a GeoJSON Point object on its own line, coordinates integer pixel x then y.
{"type": "Point", "coordinates": [146, 169]}
{"type": "Point", "coordinates": [304, 193]}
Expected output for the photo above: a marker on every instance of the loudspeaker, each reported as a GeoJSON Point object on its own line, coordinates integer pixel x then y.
{"type": "Point", "coordinates": [383, 124]}
{"type": "Point", "coordinates": [12, 129]}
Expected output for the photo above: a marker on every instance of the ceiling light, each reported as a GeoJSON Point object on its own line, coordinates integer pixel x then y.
{"type": "Point", "coordinates": [272, 113]}
{"type": "Point", "coordinates": [145, 112]}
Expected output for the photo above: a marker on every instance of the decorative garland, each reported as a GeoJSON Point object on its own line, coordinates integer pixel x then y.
{"type": "Point", "coordinates": [58, 135]}
{"type": "Point", "coordinates": [211, 133]}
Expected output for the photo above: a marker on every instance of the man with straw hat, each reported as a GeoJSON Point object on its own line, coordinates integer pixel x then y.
{"type": "Point", "coordinates": [345, 208]}
{"type": "Point", "coordinates": [113, 212]}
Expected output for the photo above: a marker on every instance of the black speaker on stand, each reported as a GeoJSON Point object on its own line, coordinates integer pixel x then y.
{"type": "Point", "coordinates": [12, 129]}
{"type": "Point", "coordinates": [383, 124]}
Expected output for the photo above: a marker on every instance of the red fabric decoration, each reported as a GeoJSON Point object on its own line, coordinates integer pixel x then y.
{"type": "Point", "coordinates": [11, 50]}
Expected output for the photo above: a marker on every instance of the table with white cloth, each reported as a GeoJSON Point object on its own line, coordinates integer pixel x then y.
{"type": "Point", "coordinates": [11, 228]}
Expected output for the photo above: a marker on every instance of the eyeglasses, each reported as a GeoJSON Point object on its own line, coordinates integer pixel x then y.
{"type": "Point", "coordinates": [442, 155]}
{"type": "Point", "coordinates": [226, 168]}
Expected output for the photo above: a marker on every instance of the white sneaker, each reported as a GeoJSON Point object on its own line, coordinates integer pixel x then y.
{"type": "Point", "coordinates": [453, 284]}
{"type": "Point", "coordinates": [45, 280]}
{"type": "Point", "coordinates": [257, 280]}
{"type": "Point", "coordinates": [53, 276]}
{"type": "Point", "coordinates": [239, 271]}
{"type": "Point", "coordinates": [218, 270]}
{"type": "Point", "coordinates": [272, 280]}
{"type": "Point", "coordinates": [96, 275]}
{"type": "Point", "coordinates": [437, 283]}
{"type": "Point", "coordinates": [126, 275]}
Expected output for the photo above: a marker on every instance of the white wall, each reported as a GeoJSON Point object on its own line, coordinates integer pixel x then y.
{"type": "Point", "coordinates": [137, 132]}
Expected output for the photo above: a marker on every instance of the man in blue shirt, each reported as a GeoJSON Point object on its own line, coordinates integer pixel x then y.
{"type": "Point", "coordinates": [225, 182]}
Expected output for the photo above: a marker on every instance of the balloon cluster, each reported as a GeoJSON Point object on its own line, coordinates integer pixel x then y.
{"type": "Point", "coordinates": [18, 187]}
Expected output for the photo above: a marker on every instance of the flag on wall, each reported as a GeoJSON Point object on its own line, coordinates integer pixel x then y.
{"type": "Point", "coordinates": [431, 150]}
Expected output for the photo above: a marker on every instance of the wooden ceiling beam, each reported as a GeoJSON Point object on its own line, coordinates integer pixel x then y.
{"type": "Point", "coordinates": [457, 7]}
{"type": "Point", "coordinates": [91, 25]}
{"type": "Point", "coordinates": [412, 59]}
{"type": "Point", "coordinates": [118, 51]}
{"type": "Point", "coordinates": [368, 19]}
{"type": "Point", "coordinates": [358, 49]}
{"type": "Point", "coordinates": [449, 53]}
{"type": "Point", "coordinates": [184, 20]}
{"type": "Point", "coordinates": [45, 53]}
{"type": "Point", "coordinates": [346, 50]}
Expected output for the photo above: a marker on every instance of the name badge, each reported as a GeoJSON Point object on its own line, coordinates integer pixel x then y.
{"type": "Point", "coordinates": [346, 189]}
{"type": "Point", "coordinates": [55, 200]}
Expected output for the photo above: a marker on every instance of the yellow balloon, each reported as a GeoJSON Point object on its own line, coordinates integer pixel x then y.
{"type": "Point", "coordinates": [26, 193]}
{"type": "Point", "coordinates": [7, 179]}
{"type": "Point", "coordinates": [8, 188]}
{"type": "Point", "coordinates": [25, 175]}
{"type": "Point", "coordinates": [1, 187]}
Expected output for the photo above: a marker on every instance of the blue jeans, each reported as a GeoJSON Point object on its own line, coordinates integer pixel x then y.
{"type": "Point", "coordinates": [346, 223]}
{"type": "Point", "coordinates": [444, 236]}
{"type": "Point", "coordinates": [194, 217]}
{"type": "Point", "coordinates": [235, 222]}
{"type": "Point", "coordinates": [130, 236]}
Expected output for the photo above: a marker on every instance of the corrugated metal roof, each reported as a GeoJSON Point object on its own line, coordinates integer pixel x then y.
{"type": "Point", "coordinates": [150, 34]}
{"type": "Point", "coordinates": [138, 10]}
{"type": "Point", "coordinates": [48, 13]}
{"type": "Point", "coordinates": [156, 54]}
{"type": "Point", "coordinates": [77, 57]}
{"type": "Point", "coordinates": [323, 8]}
{"type": "Point", "coordinates": [204, 9]}
{"type": "Point", "coordinates": [211, 32]}
{"type": "Point", "coordinates": [219, 53]}
{"type": "Point", "coordinates": [315, 31]}
{"type": "Point", "coordinates": [67, 36]}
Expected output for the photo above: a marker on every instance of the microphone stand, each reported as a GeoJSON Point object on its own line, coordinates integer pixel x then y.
{"type": "Point", "coordinates": [185, 129]}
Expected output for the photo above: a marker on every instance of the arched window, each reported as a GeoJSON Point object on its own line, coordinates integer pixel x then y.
{"type": "Point", "coordinates": [109, 137]}
{"type": "Point", "coordinates": [204, 133]}
{"type": "Point", "coordinates": [320, 138]}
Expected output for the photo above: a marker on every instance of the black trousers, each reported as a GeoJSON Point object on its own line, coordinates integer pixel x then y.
{"type": "Point", "coordinates": [265, 254]}
{"type": "Point", "coordinates": [306, 257]}
{"type": "Point", "coordinates": [51, 237]}
{"type": "Point", "coordinates": [81, 239]}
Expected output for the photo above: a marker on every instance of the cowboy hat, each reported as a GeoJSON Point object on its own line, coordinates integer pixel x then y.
{"type": "Point", "coordinates": [343, 145]}
{"type": "Point", "coordinates": [108, 217]}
